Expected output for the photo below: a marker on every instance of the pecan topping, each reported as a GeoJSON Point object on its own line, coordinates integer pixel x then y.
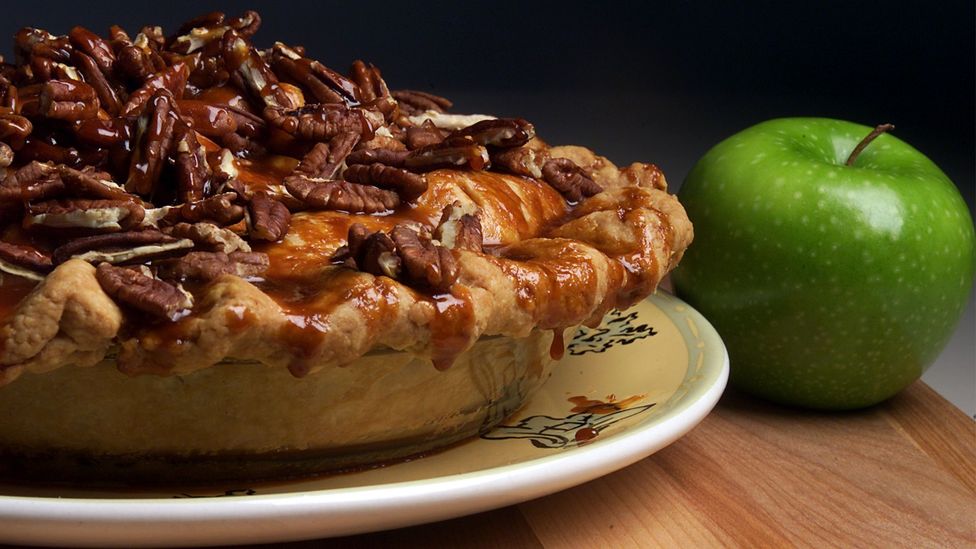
{"type": "Point", "coordinates": [95, 47]}
{"type": "Point", "coordinates": [270, 219]}
{"type": "Point", "coordinates": [68, 100]}
{"type": "Point", "coordinates": [101, 133]}
{"type": "Point", "coordinates": [209, 237]}
{"type": "Point", "coordinates": [416, 102]}
{"type": "Point", "coordinates": [141, 292]}
{"type": "Point", "coordinates": [207, 266]}
{"type": "Point", "coordinates": [460, 228]}
{"type": "Point", "coordinates": [323, 160]}
{"type": "Point", "coordinates": [408, 185]}
{"type": "Point", "coordinates": [371, 88]}
{"type": "Point", "coordinates": [16, 258]}
{"type": "Point", "coordinates": [119, 247]}
{"type": "Point", "coordinates": [569, 179]}
{"type": "Point", "coordinates": [499, 132]}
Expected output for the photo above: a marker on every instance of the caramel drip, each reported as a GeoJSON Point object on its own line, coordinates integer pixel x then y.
{"type": "Point", "coordinates": [452, 328]}
{"type": "Point", "coordinates": [558, 346]}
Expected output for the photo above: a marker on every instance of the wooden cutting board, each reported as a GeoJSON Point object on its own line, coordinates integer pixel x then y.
{"type": "Point", "coordinates": [752, 474]}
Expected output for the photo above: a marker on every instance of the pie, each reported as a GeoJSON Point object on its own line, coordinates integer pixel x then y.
{"type": "Point", "coordinates": [223, 256]}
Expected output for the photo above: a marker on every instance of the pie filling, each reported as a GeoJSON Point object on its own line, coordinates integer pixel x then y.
{"type": "Point", "coordinates": [188, 198]}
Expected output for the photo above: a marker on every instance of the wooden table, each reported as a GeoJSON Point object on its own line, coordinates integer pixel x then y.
{"type": "Point", "coordinates": [902, 474]}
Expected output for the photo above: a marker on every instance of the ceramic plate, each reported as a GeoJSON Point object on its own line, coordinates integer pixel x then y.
{"type": "Point", "coordinates": [623, 391]}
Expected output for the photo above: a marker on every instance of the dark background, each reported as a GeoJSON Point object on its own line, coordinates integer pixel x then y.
{"type": "Point", "coordinates": [649, 81]}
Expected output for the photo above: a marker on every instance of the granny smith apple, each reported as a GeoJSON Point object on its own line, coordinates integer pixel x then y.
{"type": "Point", "coordinates": [834, 285]}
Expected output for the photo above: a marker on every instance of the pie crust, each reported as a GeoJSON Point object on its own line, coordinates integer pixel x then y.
{"type": "Point", "coordinates": [301, 272]}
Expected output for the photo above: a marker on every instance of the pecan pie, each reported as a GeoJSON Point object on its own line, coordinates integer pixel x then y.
{"type": "Point", "coordinates": [217, 254]}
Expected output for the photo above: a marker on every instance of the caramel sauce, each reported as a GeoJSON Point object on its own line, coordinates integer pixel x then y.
{"type": "Point", "coordinates": [610, 405]}
{"type": "Point", "coordinates": [558, 346]}
{"type": "Point", "coordinates": [309, 306]}
{"type": "Point", "coordinates": [12, 291]}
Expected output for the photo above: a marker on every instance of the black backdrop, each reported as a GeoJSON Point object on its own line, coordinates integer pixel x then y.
{"type": "Point", "coordinates": [650, 81]}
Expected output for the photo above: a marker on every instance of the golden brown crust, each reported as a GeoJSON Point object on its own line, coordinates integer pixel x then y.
{"type": "Point", "coordinates": [545, 269]}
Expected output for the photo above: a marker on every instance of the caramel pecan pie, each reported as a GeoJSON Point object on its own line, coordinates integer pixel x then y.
{"type": "Point", "coordinates": [180, 208]}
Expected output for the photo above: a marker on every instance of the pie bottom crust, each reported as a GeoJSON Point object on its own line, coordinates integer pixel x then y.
{"type": "Point", "coordinates": [245, 420]}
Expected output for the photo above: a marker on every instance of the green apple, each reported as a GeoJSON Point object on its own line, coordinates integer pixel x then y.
{"type": "Point", "coordinates": [834, 286]}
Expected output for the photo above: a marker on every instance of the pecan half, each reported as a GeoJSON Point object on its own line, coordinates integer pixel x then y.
{"type": "Point", "coordinates": [447, 155]}
{"type": "Point", "coordinates": [254, 71]}
{"type": "Point", "coordinates": [87, 184]}
{"type": "Point", "coordinates": [409, 186]}
{"type": "Point", "coordinates": [210, 237]}
{"type": "Point", "coordinates": [14, 129]}
{"type": "Point", "coordinates": [373, 253]}
{"type": "Point", "coordinates": [68, 100]}
{"type": "Point", "coordinates": [94, 46]}
{"type": "Point", "coordinates": [100, 132]}
{"type": "Point", "coordinates": [172, 79]}
{"type": "Point", "coordinates": [424, 262]}
{"type": "Point", "coordinates": [389, 157]}
{"type": "Point", "coordinates": [425, 135]}
{"type": "Point", "coordinates": [119, 247]}
{"type": "Point", "coordinates": [25, 261]}
{"type": "Point", "coordinates": [416, 102]}
{"type": "Point", "coordinates": [323, 160]}
{"type": "Point", "coordinates": [460, 228]}
{"type": "Point", "coordinates": [206, 266]}
{"type": "Point", "coordinates": [270, 219]}
{"type": "Point", "coordinates": [84, 215]}
{"type": "Point", "coordinates": [6, 155]}
{"type": "Point", "coordinates": [324, 84]}
{"type": "Point", "coordinates": [94, 75]}
{"type": "Point", "coordinates": [206, 118]}
{"type": "Point", "coordinates": [141, 292]}
{"type": "Point", "coordinates": [569, 179]}
{"type": "Point", "coordinates": [154, 140]}
{"type": "Point", "coordinates": [192, 170]}
{"type": "Point", "coordinates": [219, 209]}
{"type": "Point", "coordinates": [320, 121]}
{"type": "Point", "coordinates": [371, 89]}
{"type": "Point", "coordinates": [499, 132]}
{"type": "Point", "coordinates": [34, 181]}
{"type": "Point", "coordinates": [321, 194]}
{"type": "Point", "coordinates": [518, 161]}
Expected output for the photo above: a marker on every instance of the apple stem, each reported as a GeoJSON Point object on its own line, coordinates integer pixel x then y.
{"type": "Point", "coordinates": [883, 128]}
